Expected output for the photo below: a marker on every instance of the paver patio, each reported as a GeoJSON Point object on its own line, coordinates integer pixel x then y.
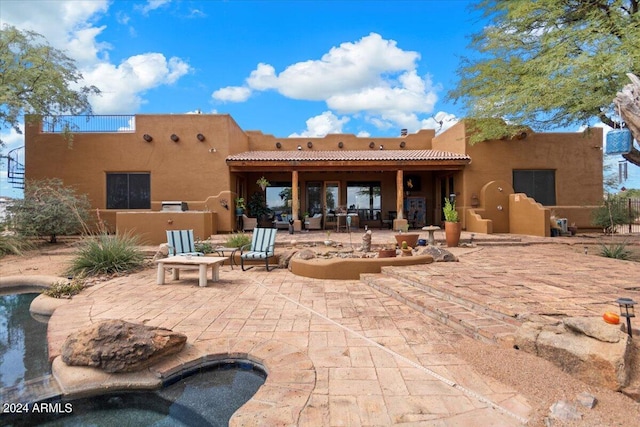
{"type": "Point", "coordinates": [374, 360]}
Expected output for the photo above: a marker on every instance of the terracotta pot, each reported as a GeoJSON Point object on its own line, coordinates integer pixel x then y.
{"type": "Point", "coordinates": [452, 232]}
{"type": "Point", "coordinates": [386, 253]}
{"type": "Point", "coordinates": [410, 238]}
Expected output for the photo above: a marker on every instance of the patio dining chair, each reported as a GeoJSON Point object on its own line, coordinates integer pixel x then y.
{"type": "Point", "coordinates": [262, 247]}
{"type": "Point", "coordinates": [181, 242]}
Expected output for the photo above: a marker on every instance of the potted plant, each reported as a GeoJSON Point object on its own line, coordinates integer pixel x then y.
{"type": "Point", "coordinates": [387, 251]}
{"type": "Point", "coordinates": [452, 228]}
{"type": "Point", "coordinates": [405, 249]}
{"type": "Point", "coordinates": [258, 209]}
{"type": "Point", "coordinates": [404, 236]}
{"type": "Point", "coordinates": [263, 183]}
{"type": "Point", "coordinates": [240, 206]}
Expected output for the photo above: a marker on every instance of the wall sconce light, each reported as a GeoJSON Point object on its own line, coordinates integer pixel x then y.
{"type": "Point", "coordinates": [309, 144]}
{"type": "Point", "coordinates": [403, 144]}
{"type": "Point", "coordinates": [626, 310]}
{"type": "Point", "coordinates": [340, 144]}
{"type": "Point", "coordinates": [200, 137]}
{"type": "Point", "coordinates": [224, 203]}
{"type": "Point", "coordinates": [147, 137]}
{"type": "Point", "coordinates": [175, 137]}
{"type": "Point", "coordinates": [500, 189]}
{"type": "Point", "coordinates": [212, 150]}
{"type": "Point", "coordinates": [371, 144]}
{"type": "Point", "coordinates": [299, 147]}
{"type": "Point", "coordinates": [381, 146]}
{"type": "Point", "coordinates": [278, 145]}
{"type": "Point", "coordinates": [499, 207]}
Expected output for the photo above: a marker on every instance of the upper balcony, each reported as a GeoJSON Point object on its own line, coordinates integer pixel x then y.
{"type": "Point", "coordinates": [89, 124]}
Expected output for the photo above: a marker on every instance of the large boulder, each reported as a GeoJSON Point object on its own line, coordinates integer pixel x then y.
{"type": "Point", "coordinates": [119, 346]}
{"type": "Point", "coordinates": [438, 254]}
{"type": "Point", "coordinates": [588, 348]}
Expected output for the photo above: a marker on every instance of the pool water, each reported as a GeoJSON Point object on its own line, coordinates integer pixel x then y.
{"type": "Point", "coordinates": [23, 342]}
{"type": "Point", "coordinates": [208, 397]}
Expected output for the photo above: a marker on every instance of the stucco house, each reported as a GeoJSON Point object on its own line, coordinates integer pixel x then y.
{"type": "Point", "coordinates": [129, 165]}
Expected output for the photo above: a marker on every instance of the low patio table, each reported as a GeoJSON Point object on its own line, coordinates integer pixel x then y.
{"type": "Point", "coordinates": [201, 262]}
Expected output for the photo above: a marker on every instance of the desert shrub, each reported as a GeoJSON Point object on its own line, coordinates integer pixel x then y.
{"type": "Point", "coordinates": [615, 250]}
{"type": "Point", "coordinates": [203, 246]}
{"type": "Point", "coordinates": [49, 209]}
{"type": "Point", "coordinates": [11, 243]}
{"type": "Point", "coordinates": [612, 213]}
{"type": "Point", "coordinates": [237, 240]}
{"type": "Point", "coordinates": [65, 289]}
{"type": "Point", "coordinates": [107, 254]}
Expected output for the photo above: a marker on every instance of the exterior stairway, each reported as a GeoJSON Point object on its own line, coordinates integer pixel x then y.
{"type": "Point", "coordinates": [463, 315]}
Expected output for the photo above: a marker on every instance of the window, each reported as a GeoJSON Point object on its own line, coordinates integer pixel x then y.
{"type": "Point", "coordinates": [278, 196]}
{"type": "Point", "coordinates": [128, 191]}
{"type": "Point", "coordinates": [539, 184]}
{"type": "Point", "coordinates": [314, 197]}
{"type": "Point", "coordinates": [364, 198]}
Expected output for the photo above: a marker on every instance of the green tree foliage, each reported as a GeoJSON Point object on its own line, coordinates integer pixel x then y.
{"type": "Point", "coordinates": [50, 209]}
{"type": "Point", "coordinates": [36, 78]}
{"type": "Point", "coordinates": [547, 64]}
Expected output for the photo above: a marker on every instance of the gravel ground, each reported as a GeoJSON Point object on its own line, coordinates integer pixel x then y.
{"type": "Point", "coordinates": [538, 380]}
{"type": "Point", "coordinates": [543, 384]}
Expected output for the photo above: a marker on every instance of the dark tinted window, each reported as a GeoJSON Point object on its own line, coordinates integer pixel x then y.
{"type": "Point", "coordinates": [538, 184]}
{"type": "Point", "coordinates": [128, 191]}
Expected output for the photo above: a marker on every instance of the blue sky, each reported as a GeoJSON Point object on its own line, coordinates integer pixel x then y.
{"type": "Point", "coordinates": [283, 67]}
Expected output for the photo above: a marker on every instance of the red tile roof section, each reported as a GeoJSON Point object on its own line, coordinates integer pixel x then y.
{"type": "Point", "coordinates": [333, 155]}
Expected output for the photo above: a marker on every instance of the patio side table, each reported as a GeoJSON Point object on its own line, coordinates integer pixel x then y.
{"type": "Point", "coordinates": [223, 251]}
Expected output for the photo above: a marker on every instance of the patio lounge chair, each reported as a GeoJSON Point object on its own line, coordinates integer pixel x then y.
{"type": "Point", "coordinates": [248, 223]}
{"type": "Point", "coordinates": [262, 246]}
{"type": "Point", "coordinates": [314, 222]}
{"type": "Point", "coordinates": [181, 242]}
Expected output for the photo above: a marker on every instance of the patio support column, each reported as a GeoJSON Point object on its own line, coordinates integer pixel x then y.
{"type": "Point", "coordinates": [399, 223]}
{"type": "Point", "coordinates": [399, 195]}
{"type": "Point", "coordinates": [295, 202]}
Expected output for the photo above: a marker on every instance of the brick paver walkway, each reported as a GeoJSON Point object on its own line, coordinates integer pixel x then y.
{"type": "Point", "coordinates": [376, 361]}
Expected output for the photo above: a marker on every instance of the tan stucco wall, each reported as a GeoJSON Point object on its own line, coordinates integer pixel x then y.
{"type": "Point", "coordinates": [576, 158]}
{"type": "Point", "coordinates": [528, 217]}
{"type": "Point", "coordinates": [152, 226]}
{"type": "Point", "coordinates": [416, 141]}
{"type": "Point", "coordinates": [189, 170]}
{"type": "Point", "coordinates": [196, 172]}
{"type": "Point", "coordinates": [350, 268]}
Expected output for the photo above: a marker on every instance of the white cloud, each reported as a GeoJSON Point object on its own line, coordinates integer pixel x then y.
{"type": "Point", "coordinates": [140, 73]}
{"type": "Point", "coordinates": [372, 76]}
{"type": "Point", "coordinates": [68, 26]}
{"type": "Point", "coordinates": [322, 125]}
{"type": "Point", "coordinates": [232, 94]}
{"type": "Point", "coordinates": [153, 5]}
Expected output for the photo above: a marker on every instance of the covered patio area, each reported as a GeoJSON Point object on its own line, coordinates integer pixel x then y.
{"type": "Point", "coordinates": [384, 189]}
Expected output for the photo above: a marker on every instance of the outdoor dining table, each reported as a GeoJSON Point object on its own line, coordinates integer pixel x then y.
{"type": "Point", "coordinates": [180, 261]}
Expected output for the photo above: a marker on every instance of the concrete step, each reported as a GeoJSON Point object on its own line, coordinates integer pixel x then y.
{"type": "Point", "coordinates": [477, 324]}
{"type": "Point", "coordinates": [448, 291]}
